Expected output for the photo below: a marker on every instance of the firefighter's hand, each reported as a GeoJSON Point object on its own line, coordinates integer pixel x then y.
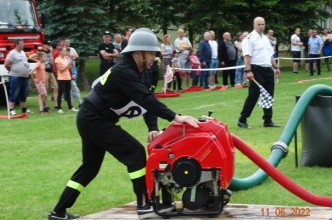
{"type": "Point", "coordinates": [152, 135]}
{"type": "Point", "coordinates": [187, 119]}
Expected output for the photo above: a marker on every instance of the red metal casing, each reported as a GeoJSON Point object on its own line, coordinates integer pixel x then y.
{"type": "Point", "coordinates": [32, 39]}
{"type": "Point", "coordinates": [210, 145]}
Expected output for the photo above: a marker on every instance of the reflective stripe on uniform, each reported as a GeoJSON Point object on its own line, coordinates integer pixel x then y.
{"type": "Point", "coordinates": [137, 174]}
{"type": "Point", "coordinates": [75, 185]}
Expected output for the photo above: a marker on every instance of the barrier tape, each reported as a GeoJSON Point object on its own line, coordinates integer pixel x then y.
{"type": "Point", "coordinates": [288, 58]}
{"type": "Point", "coordinates": [208, 69]}
{"type": "Point", "coordinates": [243, 66]}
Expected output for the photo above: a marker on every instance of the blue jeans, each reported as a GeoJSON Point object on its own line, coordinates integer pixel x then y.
{"type": "Point", "coordinates": [19, 88]}
{"type": "Point", "coordinates": [239, 72]}
{"type": "Point", "coordinates": [204, 79]}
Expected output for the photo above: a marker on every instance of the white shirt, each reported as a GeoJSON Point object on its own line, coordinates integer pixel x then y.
{"type": "Point", "coordinates": [258, 47]}
{"type": "Point", "coordinates": [297, 40]}
{"type": "Point", "coordinates": [214, 48]}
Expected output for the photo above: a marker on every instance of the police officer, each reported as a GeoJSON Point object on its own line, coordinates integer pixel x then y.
{"type": "Point", "coordinates": [123, 91]}
{"type": "Point", "coordinates": [107, 53]}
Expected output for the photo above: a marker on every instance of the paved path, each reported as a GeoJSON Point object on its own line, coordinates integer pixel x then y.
{"type": "Point", "coordinates": [231, 211]}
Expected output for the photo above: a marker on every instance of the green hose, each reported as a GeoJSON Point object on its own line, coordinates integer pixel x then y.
{"type": "Point", "coordinates": [280, 148]}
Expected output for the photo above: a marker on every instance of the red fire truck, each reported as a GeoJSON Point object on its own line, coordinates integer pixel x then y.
{"type": "Point", "coordinates": [18, 20]}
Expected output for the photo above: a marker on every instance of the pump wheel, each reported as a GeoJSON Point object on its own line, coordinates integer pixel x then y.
{"type": "Point", "coordinates": [200, 198]}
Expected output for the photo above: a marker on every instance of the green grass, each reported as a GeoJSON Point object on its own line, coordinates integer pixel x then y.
{"type": "Point", "coordinates": [39, 154]}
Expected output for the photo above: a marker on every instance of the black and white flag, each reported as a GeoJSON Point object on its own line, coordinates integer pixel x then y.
{"type": "Point", "coordinates": [265, 99]}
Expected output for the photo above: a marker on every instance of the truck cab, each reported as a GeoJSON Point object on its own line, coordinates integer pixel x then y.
{"type": "Point", "coordinates": [18, 20]}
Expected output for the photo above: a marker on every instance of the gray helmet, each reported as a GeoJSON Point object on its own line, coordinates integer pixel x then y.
{"type": "Point", "coordinates": [142, 39]}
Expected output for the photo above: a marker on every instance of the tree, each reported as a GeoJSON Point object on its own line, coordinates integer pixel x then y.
{"type": "Point", "coordinates": [80, 20]}
{"type": "Point", "coordinates": [84, 20]}
{"type": "Point", "coordinates": [284, 16]}
{"type": "Point", "coordinates": [306, 15]}
{"type": "Point", "coordinates": [168, 14]}
{"type": "Point", "coordinates": [121, 14]}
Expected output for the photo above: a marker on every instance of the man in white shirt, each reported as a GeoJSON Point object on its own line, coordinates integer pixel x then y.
{"type": "Point", "coordinates": [296, 49]}
{"type": "Point", "coordinates": [214, 60]}
{"type": "Point", "coordinates": [183, 45]}
{"type": "Point", "coordinates": [259, 61]}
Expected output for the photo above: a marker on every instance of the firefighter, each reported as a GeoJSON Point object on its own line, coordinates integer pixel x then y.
{"type": "Point", "coordinates": [123, 91]}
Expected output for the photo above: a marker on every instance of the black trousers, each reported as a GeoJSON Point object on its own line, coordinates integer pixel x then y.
{"type": "Point", "coordinates": [177, 80]}
{"type": "Point", "coordinates": [265, 77]}
{"type": "Point", "coordinates": [104, 66]}
{"type": "Point", "coordinates": [195, 78]}
{"type": "Point", "coordinates": [64, 89]}
{"type": "Point", "coordinates": [311, 63]}
{"type": "Point", "coordinates": [230, 73]}
{"type": "Point", "coordinates": [98, 137]}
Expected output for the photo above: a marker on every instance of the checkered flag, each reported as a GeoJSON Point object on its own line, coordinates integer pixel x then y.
{"type": "Point", "coordinates": [265, 99]}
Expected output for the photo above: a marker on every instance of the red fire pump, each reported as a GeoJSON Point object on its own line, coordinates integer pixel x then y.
{"type": "Point", "coordinates": [192, 167]}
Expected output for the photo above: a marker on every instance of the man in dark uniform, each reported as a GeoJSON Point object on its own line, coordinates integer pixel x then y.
{"type": "Point", "coordinates": [122, 91]}
{"type": "Point", "coordinates": [107, 53]}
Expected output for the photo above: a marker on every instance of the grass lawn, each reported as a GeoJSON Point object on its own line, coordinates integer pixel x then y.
{"type": "Point", "coordinates": [39, 154]}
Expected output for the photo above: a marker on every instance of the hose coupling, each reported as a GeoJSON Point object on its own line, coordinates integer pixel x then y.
{"type": "Point", "coordinates": [280, 145]}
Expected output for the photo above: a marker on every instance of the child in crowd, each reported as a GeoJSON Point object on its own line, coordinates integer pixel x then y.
{"type": "Point", "coordinates": [194, 64]}
{"type": "Point", "coordinates": [75, 92]}
{"type": "Point", "coordinates": [177, 73]}
{"type": "Point", "coordinates": [39, 77]}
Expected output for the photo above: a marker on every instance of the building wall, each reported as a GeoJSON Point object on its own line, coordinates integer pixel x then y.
{"type": "Point", "coordinates": [328, 22]}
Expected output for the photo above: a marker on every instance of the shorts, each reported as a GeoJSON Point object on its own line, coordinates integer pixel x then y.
{"type": "Point", "coordinates": [41, 88]}
{"type": "Point", "coordinates": [19, 89]}
{"type": "Point", "coordinates": [50, 81]}
{"type": "Point", "coordinates": [185, 64]}
{"type": "Point", "coordinates": [214, 65]}
{"type": "Point", "coordinates": [296, 54]}
{"type": "Point", "coordinates": [306, 55]}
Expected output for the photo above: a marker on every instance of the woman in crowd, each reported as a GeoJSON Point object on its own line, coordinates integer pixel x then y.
{"type": "Point", "coordinates": [64, 77]}
{"type": "Point", "coordinates": [167, 53]}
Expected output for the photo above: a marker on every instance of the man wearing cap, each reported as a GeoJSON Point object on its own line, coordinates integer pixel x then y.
{"type": "Point", "coordinates": [122, 91]}
{"type": "Point", "coordinates": [107, 53]}
{"type": "Point", "coordinates": [50, 80]}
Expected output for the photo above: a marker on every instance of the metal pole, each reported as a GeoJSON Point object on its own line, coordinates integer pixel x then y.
{"type": "Point", "coordinates": [6, 94]}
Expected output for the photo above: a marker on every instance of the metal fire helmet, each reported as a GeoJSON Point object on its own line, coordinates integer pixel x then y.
{"type": "Point", "coordinates": [143, 39]}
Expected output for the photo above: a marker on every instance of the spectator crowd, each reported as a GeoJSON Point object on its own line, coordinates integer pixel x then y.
{"type": "Point", "coordinates": [55, 70]}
